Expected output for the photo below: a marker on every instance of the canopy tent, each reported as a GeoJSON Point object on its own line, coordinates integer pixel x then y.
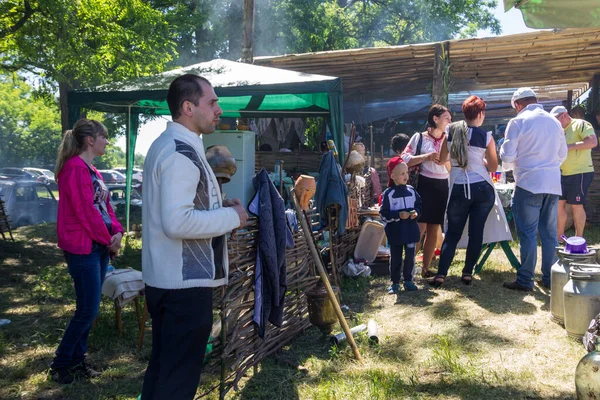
{"type": "Point", "coordinates": [244, 90]}
{"type": "Point", "coordinates": [557, 14]}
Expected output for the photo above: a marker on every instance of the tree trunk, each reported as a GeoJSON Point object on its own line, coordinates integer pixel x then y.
{"type": "Point", "coordinates": [248, 32]}
{"type": "Point", "coordinates": [63, 89]}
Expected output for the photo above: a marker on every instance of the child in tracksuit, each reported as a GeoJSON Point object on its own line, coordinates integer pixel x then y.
{"type": "Point", "coordinates": [400, 208]}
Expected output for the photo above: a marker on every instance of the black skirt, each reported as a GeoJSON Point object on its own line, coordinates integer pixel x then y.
{"type": "Point", "coordinates": [434, 197]}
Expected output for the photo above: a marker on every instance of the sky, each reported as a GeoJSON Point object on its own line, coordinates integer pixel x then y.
{"type": "Point", "coordinates": [511, 22]}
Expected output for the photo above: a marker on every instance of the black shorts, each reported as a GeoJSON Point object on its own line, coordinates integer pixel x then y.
{"type": "Point", "coordinates": [434, 196]}
{"type": "Point", "coordinates": [575, 187]}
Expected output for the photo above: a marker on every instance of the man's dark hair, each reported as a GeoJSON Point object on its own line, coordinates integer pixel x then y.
{"type": "Point", "coordinates": [399, 142]}
{"type": "Point", "coordinates": [184, 88]}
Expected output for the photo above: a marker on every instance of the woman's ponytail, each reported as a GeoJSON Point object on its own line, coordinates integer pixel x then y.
{"type": "Point", "coordinates": [73, 142]}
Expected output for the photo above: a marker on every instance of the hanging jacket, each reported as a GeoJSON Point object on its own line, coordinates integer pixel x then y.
{"type": "Point", "coordinates": [270, 275]}
{"type": "Point", "coordinates": [331, 189]}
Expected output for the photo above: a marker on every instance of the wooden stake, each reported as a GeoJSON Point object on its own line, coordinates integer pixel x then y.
{"type": "Point", "coordinates": [331, 250]}
{"type": "Point", "coordinates": [315, 253]}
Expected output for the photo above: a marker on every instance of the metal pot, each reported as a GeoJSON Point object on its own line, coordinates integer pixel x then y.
{"type": "Point", "coordinates": [559, 276]}
{"type": "Point", "coordinates": [581, 298]}
{"type": "Point", "coordinates": [587, 376]}
{"type": "Point", "coordinates": [321, 312]}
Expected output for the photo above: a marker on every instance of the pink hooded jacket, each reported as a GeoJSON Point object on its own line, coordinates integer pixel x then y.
{"type": "Point", "coordinates": [79, 222]}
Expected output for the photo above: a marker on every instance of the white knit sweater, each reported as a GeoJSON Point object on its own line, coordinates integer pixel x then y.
{"type": "Point", "coordinates": [183, 222]}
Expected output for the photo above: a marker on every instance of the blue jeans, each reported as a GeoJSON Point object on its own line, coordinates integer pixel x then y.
{"type": "Point", "coordinates": [88, 272]}
{"type": "Point", "coordinates": [535, 212]}
{"type": "Point", "coordinates": [459, 209]}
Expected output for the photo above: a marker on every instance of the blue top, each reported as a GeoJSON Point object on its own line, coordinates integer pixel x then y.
{"type": "Point", "coordinates": [395, 199]}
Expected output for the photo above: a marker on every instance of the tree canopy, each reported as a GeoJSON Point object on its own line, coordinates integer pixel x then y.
{"type": "Point", "coordinates": [29, 126]}
{"type": "Point", "coordinates": [70, 44]}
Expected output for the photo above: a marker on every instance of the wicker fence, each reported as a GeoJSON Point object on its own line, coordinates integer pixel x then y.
{"type": "Point", "coordinates": [242, 347]}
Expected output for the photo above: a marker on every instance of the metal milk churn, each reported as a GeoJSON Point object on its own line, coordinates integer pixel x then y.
{"type": "Point", "coordinates": [587, 376]}
{"type": "Point", "coordinates": [559, 276]}
{"type": "Point", "coordinates": [581, 298]}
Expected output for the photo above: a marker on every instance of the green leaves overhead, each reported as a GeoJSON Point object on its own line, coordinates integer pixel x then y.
{"type": "Point", "coordinates": [290, 26]}
{"type": "Point", "coordinates": [84, 41]}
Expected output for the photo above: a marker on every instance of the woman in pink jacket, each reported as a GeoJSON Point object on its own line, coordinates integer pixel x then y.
{"type": "Point", "coordinates": [89, 234]}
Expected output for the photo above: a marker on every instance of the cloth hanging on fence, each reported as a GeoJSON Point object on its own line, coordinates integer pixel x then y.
{"type": "Point", "coordinates": [331, 189]}
{"type": "Point", "coordinates": [270, 275]}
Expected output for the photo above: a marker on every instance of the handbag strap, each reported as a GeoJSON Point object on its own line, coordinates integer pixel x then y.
{"type": "Point", "coordinates": [419, 144]}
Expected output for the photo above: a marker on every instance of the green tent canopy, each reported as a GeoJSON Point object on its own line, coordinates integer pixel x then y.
{"type": "Point", "coordinates": [244, 90]}
{"type": "Point", "coordinates": [557, 14]}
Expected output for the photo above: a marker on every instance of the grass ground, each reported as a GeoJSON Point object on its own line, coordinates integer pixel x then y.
{"type": "Point", "coordinates": [457, 342]}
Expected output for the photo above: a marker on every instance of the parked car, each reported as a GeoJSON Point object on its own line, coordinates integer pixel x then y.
{"type": "Point", "coordinates": [44, 172]}
{"type": "Point", "coordinates": [117, 195]}
{"type": "Point", "coordinates": [111, 176]}
{"type": "Point", "coordinates": [28, 202]}
{"type": "Point", "coordinates": [20, 174]}
{"type": "Point", "coordinates": [137, 174]}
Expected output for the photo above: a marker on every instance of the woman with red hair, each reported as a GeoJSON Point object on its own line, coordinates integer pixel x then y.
{"type": "Point", "coordinates": [473, 156]}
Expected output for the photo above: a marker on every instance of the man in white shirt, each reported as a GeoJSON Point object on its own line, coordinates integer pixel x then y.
{"type": "Point", "coordinates": [535, 146]}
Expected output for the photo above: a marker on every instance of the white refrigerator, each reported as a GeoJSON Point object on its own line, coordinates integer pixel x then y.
{"type": "Point", "coordinates": [241, 144]}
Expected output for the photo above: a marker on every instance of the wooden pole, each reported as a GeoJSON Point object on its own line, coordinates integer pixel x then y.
{"type": "Point", "coordinates": [331, 250]}
{"type": "Point", "coordinates": [280, 178]}
{"type": "Point", "coordinates": [372, 161]}
{"type": "Point", "coordinates": [315, 253]}
{"type": "Point", "coordinates": [351, 141]}
{"type": "Point", "coordinates": [594, 98]}
{"type": "Point", "coordinates": [223, 336]}
{"type": "Point", "coordinates": [441, 77]}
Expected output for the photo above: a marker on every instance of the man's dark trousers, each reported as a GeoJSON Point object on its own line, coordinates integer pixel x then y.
{"type": "Point", "coordinates": [181, 325]}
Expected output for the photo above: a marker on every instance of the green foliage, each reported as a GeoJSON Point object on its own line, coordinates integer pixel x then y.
{"type": "Point", "coordinates": [29, 126]}
{"type": "Point", "coordinates": [314, 130]}
{"type": "Point", "coordinates": [296, 26]}
{"type": "Point", "coordinates": [84, 42]}
{"type": "Point", "coordinates": [112, 157]}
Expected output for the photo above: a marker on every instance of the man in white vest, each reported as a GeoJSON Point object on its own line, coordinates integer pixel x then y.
{"type": "Point", "coordinates": [184, 252]}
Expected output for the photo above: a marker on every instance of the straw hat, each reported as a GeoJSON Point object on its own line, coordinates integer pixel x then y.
{"type": "Point", "coordinates": [355, 163]}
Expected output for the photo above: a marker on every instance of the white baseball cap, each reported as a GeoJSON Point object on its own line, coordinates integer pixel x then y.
{"type": "Point", "coordinates": [521, 93]}
{"type": "Point", "coordinates": [556, 111]}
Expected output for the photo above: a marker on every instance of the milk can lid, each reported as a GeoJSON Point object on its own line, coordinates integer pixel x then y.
{"type": "Point", "coordinates": [585, 271]}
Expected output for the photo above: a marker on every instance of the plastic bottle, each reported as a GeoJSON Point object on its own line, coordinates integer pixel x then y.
{"type": "Point", "coordinates": [501, 175]}
{"type": "Point", "coordinates": [110, 268]}
{"type": "Point", "coordinates": [331, 146]}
